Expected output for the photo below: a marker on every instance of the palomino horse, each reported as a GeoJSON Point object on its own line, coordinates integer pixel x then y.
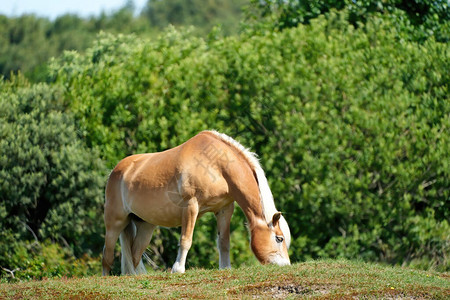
{"type": "Point", "coordinates": [175, 187]}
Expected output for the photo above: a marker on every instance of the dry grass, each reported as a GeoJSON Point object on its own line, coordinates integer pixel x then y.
{"type": "Point", "coordinates": [327, 279]}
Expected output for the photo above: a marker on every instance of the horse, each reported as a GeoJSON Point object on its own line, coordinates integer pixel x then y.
{"type": "Point", "coordinates": [207, 173]}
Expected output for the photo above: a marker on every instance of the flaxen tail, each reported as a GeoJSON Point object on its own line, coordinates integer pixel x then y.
{"type": "Point", "coordinates": [126, 242]}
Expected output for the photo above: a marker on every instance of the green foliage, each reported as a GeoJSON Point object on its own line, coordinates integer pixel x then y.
{"type": "Point", "coordinates": [28, 42]}
{"type": "Point", "coordinates": [32, 260]}
{"type": "Point", "coordinates": [350, 123]}
{"type": "Point", "coordinates": [420, 18]}
{"type": "Point", "coordinates": [349, 114]}
{"type": "Point", "coordinates": [202, 14]}
{"type": "Point", "coordinates": [22, 43]}
{"type": "Point", "coordinates": [50, 183]}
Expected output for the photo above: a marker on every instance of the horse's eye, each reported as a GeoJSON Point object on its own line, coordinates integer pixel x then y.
{"type": "Point", "coordinates": [279, 239]}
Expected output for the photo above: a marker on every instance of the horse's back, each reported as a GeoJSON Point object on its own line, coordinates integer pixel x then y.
{"type": "Point", "coordinates": [203, 153]}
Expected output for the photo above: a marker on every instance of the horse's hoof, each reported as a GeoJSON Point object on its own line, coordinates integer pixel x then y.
{"type": "Point", "coordinates": [177, 268]}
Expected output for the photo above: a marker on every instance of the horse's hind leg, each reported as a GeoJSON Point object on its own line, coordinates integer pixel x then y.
{"type": "Point", "coordinates": [144, 232]}
{"type": "Point", "coordinates": [189, 216]}
{"type": "Point", "coordinates": [116, 219]}
{"type": "Point", "coordinates": [111, 236]}
{"type": "Point", "coordinates": [223, 217]}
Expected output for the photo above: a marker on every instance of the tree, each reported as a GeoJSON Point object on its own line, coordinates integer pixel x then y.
{"type": "Point", "coordinates": [23, 44]}
{"type": "Point", "coordinates": [421, 18]}
{"type": "Point", "coordinates": [28, 42]}
{"type": "Point", "coordinates": [348, 121]}
{"type": "Point", "coordinates": [51, 185]}
{"type": "Point", "coordinates": [201, 14]}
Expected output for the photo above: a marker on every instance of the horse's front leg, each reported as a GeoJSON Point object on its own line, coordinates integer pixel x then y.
{"type": "Point", "coordinates": [189, 216]}
{"type": "Point", "coordinates": [223, 217]}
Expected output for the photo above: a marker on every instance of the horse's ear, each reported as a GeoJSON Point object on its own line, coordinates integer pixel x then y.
{"type": "Point", "coordinates": [276, 217]}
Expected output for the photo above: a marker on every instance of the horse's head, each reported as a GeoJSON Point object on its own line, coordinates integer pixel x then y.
{"type": "Point", "coordinates": [270, 242]}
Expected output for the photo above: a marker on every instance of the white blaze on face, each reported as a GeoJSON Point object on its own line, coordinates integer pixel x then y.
{"type": "Point", "coordinates": [279, 260]}
{"type": "Point", "coordinates": [281, 257]}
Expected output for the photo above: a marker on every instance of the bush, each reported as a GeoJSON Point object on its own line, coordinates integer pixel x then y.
{"type": "Point", "coordinates": [34, 260]}
{"type": "Point", "coordinates": [51, 185]}
{"type": "Point", "coordinates": [417, 20]}
{"type": "Point", "coordinates": [349, 122]}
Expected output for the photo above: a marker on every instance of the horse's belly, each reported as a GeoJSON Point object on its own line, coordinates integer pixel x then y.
{"type": "Point", "coordinates": [163, 206]}
{"type": "Point", "coordinates": [156, 209]}
{"type": "Point", "coordinates": [213, 204]}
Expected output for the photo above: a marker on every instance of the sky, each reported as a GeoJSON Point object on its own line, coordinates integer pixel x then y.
{"type": "Point", "coordinates": [54, 8]}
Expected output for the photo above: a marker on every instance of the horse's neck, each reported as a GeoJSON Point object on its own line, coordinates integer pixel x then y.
{"type": "Point", "coordinates": [241, 178]}
{"type": "Point", "coordinates": [244, 190]}
{"type": "Point", "coordinates": [249, 201]}
{"type": "Point", "coordinates": [254, 215]}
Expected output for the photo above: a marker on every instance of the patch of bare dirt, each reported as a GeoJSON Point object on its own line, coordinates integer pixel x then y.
{"type": "Point", "coordinates": [292, 289]}
{"type": "Point", "coordinates": [284, 290]}
{"type": "Point", "coordinates": [390, 294]}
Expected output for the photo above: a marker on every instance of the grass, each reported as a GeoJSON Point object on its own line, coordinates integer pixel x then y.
{"type": "Point", "coordinates": [323, 279]}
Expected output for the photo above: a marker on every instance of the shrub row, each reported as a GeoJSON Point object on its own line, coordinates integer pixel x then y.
{"type": "Point", "coordinates": [350, 124]}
